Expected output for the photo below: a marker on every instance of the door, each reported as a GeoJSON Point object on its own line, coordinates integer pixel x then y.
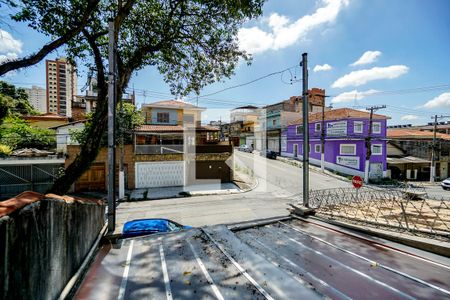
{"type": "Point", "coordinates": [93, 179]}
{"type": "Point", "coordinates": [295, 150]}
{"type": "Point", "coordinates": [159, 174]}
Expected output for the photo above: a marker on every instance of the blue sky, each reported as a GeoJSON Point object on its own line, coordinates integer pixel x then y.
{"type": "Point", "coordinates": [399, 45]}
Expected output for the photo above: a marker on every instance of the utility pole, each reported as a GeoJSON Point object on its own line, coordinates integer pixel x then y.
{"type": "Point", "coordinates": [111, 128]}
{"type": "Point", "coordinates": [368, 142]}
{"type": "Point", "coordinates": [304, 65]}
{"type": "Point", "coordinates": [122, 154]}
{"type": "Point", "coordinates": [433, 148]}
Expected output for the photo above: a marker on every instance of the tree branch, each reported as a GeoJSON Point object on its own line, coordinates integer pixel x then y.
{"type": "Point", "coordinates": [46, 49]}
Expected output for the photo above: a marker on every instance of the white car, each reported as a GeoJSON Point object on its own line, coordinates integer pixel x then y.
{"type": "Point", "coordinates": [245, 148]}
{"type": "Point", "coordinates": [446, 184]}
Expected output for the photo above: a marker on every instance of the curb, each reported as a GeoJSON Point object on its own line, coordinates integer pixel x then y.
{"type": "Point", "coordinates": [426, 244]}
{"type": "Point", "coordinates": [255, 184]}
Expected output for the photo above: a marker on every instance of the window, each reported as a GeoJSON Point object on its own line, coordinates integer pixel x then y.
{"type": "Point", "coordinates": [299, 129]}
{"type": "Point", "coordinates": [377, 149]}
{"type": "Point", "coordinates": [347, 149]}
{"type": "Point", "coordinates": [162, 117]}
{"type": "Point", "coordinates": [318, 148]}
{"type": "Point", "coordinates": [274, 122]}
{"type": "Point", "coordinates": [376, 127]}
{"type": "Point", "coordinates": [318, 127]}
{"type": "Point", "coordinates": [358, 127]}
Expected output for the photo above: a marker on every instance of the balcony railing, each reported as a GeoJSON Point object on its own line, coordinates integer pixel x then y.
{"type": "Point", "coordinates": [159, 149]}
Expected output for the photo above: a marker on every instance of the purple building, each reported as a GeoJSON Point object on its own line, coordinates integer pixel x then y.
{"type": "Point", "coordinates": [345, 131]}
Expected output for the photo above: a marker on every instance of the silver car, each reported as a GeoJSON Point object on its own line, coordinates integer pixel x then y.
{"type": "Point", "coordinates": [245, 148]}
{"type": "Point", "coordinates": [446, 184]}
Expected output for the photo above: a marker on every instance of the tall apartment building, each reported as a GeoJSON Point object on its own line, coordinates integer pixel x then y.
{"type": "Point", "coordinates": [37, 97]}
{"type": "Point", "coordinates": [61, 86]}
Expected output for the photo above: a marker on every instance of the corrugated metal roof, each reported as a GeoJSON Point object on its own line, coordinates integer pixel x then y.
{"type": "Point", "coordinates": [406, 160]}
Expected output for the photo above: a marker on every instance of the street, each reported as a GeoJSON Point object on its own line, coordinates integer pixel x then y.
{"type": "Point", "coordinates": [277, 181]}
{"type": "Point", "coordinates": [288, 179]}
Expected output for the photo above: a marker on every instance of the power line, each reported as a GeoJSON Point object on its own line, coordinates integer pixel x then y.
{"type": "Point", "coordinates": [247, 83]}
{"type": "Point", "coordinates": [404, 91]}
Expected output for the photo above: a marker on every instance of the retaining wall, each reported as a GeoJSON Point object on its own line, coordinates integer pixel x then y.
{"type": "Point", "coordinates": [43, 244]}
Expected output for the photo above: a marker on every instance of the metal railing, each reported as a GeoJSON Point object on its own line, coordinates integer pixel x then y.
{"type": "Point", "coordinates": [159, 149]}
{"type": "Point", "coordinates": [403, 208]}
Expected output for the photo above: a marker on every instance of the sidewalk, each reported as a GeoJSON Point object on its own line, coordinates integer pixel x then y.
{"type": "Point", "coordinates": [242, 183]}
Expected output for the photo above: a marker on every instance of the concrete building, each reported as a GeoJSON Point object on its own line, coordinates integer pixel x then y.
{"type": "Point", "coordinates": [275, 118]}
{"type": "Point", "coordinates": [345, 131]}
{"type": "Point", "coordinates": [178, 149]}
{"type": "Point", "coordinates": [37, 97]}
{"type": "Point", "coordinates": [410, 150]}
{"type": "Point", "coordinates": [63, 134]}
{"type": "Point", "coordinates": [61, 86]}
{"type": "Point", "coordinates": [242, 122]}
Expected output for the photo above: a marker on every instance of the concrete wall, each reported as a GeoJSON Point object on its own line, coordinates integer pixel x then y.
{"type": "Point", "coordinates": [43, 244]}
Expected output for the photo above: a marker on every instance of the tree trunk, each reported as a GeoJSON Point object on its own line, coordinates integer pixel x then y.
{"type": "Point", "coordinates": [89, 151]}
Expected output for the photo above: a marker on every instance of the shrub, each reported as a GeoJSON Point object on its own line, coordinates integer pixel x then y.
{"type": "Point", "coordinates": [5, 150]}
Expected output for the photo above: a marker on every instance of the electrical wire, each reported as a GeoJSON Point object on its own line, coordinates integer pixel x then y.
{"type": "Point", "coordinates": [246, 83]}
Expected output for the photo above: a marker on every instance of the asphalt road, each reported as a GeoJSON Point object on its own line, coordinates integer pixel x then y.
{"type": "Point", "coordinates": [277, 183]}
{"type": "Point", "coordinates": [275, 175]}
{"type": "Point", "coordinates": [287, 179]}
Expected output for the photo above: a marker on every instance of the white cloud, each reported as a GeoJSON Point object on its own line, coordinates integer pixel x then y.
{"type": "Point", "coordinates": [325, 67]}
{"type": "Point", "coordinates": [367, 58]}
{"type": "Point", "coordinates": [360, 77]}
{"type": "Point", "coordinates": [409, 118]}
{"type": "Point", "coordinates": [8, 56]}
{"type": "Point", "coordinates": [352, 96]}
{"type": "Point", "coordinates": [8, 44]}
{"type": "Point", "coordinates": [283, 32]}
{"type": "Point", "coordinates": [443, 100]}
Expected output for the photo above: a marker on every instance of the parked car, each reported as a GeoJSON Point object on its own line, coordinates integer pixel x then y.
{"type": "Point", "coordinates": [246, 148]}
{"type": "Point", "coordinates": [269, 154]}
{"type": "Point", "coordinates": [446, 184]}
{"type": "Point", "coordinates": [141, 227]}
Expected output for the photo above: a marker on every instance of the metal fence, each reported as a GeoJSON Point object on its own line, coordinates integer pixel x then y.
{"type": "Point", "coordinates": [15, 179]}
{"type": "Point", "coordinates": [402, 208]}
{"type": "Point", "coordinates": [159, 149]}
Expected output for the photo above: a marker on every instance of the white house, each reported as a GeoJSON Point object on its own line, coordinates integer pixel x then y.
{"type": "Point", "coordinates": [63, 134]}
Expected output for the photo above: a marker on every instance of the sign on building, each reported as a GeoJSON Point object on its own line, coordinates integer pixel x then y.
{"type": "Point", "coordinates": [337, 128]}
{"type": "Point", "coordinates": [348, 161]}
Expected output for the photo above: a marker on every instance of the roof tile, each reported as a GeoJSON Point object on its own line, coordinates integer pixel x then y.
{"type": "Point", "coordinates": [340, 113]}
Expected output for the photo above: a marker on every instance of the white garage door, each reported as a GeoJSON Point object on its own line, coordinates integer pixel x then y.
{"type": "Point", "coordinates": [159, 174]}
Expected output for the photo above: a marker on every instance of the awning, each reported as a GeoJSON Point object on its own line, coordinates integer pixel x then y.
{"type": "Point", "coordinates": [406, 160]}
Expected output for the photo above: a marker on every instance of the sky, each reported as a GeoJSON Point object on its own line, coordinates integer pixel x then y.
{"type": "Point", "coordinates": [362, 52]}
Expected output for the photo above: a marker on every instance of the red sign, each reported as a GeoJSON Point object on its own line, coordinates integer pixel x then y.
{"type": "Point", "coordinates": [357, 182]}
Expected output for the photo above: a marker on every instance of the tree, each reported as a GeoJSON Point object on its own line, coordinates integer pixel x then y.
{"type": "Point", "coordinates": [191, 42]}
{"type": "Point", "coordinates": [14, 101]}
{"type": "Point", "coordinates": [14, 131]}
{"type": "Point", "coordinates": [62, 20]}
{"type": "Point", "coordinates": [17, 133]}
{"type": "Point", "coordinates": [130, 119]}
